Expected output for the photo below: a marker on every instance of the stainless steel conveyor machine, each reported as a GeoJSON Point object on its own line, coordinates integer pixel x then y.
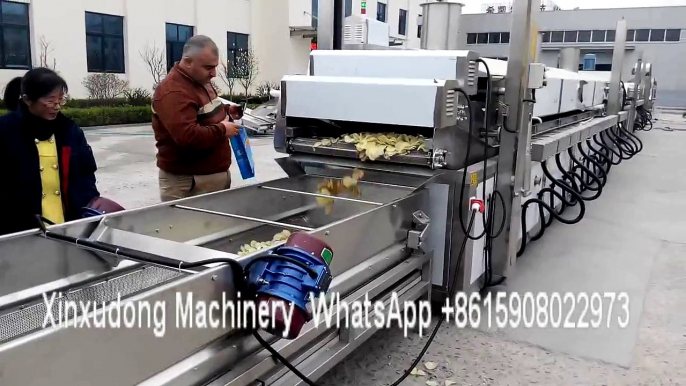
{"type": "Point", "coordinates": [386, 152]}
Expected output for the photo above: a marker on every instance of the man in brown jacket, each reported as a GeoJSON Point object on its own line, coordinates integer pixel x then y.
{"type": "Point", "coordinates": [192, 126]}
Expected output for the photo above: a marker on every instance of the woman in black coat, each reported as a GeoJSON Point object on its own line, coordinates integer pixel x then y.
{"type": "Point", "coordinates": [49, 168]}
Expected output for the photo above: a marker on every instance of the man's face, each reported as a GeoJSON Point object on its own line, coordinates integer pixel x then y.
{"type": "Point", "coordinates": [203, 67]}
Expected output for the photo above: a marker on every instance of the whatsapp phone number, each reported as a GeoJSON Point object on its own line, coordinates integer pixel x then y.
{"type": "Point", "coordinates": [539, 310]}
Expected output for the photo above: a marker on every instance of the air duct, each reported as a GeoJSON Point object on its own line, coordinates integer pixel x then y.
{"type": "Point", "coordinates": [440, 24]}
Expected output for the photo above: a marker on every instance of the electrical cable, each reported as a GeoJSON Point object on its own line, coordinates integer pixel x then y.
{"type": "Point", "coordinates": [464, 175]}
{"type": "Point", "coordinates": [488, 219]}
{"type": "Point", "coordinates": [451, 293]}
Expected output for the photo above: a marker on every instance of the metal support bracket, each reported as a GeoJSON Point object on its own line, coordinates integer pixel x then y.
{"type": "Point", "coordinates": [416, 236]}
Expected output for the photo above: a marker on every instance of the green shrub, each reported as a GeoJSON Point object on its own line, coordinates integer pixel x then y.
{"type": "Point", "coordinates": [105, 116]}
{"type": "Point", "coordinates": [135, 99]}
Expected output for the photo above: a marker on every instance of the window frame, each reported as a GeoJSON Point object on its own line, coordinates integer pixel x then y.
{"type": "Point", "coordinates": [642, 30]}
{"type": "Point", "coordinates": [25, 28]}
{"type": "Point", "coordinates": [481, 34]}
{"type": "Point", "coordinates": [598, 39]}
{"type": "Point", "coordinates": [402, 22]}
{"type": "Point", "coordinates": [678, 36]}
{"type": "Point", "coordinates": [167, 42]}
{"type": "Point", "coordinates": [232, 52]}
{"type": "Point", "coordinates": [419, 27]}
{"type": "Point", "coordinates": [553, 36]}
{"type": "Point", "coordinates": [586, 35]}
{"type": "Point", "coordinates": [653, 34]}
{"type": "Point", "coordinates": [379, 7]}
{"type": "Point", "coordinates": [630, 35]}
{"type": "Point", "coordinates": [102, 35]}
{"type": "Point", "coordinates": [608, 33]}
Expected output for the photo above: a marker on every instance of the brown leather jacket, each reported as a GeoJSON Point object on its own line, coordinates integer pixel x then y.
{"type": "Point", "coordinates": [186, 121]}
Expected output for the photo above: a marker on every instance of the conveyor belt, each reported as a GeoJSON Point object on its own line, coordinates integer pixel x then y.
{"type": "Point", "coordinates": [345, 150]}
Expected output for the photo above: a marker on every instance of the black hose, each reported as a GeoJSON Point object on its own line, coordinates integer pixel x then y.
{"type": "Point", "coordinates": [596, 164]}
{"type": "Point", "coordinates": [610, 150]}
{"type": "Point", "coordinates": [553, 213]}
{"type": "Point", "coordinates": [598, 189]}
{"type": "Point", "coordinates": [633, 137]}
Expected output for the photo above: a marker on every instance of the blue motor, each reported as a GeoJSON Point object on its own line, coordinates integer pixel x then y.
{"type": "Point", "coordinates": [287, 275]}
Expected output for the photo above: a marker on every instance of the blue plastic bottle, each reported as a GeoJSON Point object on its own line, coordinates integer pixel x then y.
{"type": "Point", "coordinates": [241, 150]}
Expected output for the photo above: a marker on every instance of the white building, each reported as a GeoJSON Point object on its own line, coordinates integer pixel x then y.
{"type": "Point", "coordinates": [88, 36]}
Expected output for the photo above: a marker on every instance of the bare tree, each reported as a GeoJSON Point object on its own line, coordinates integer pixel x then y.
{"type": "Point", "coordinates": [105, 86]}
{"type": "Point", "coordinates": [156, 62]}
{"type": "Point", "coordinates": [247, 66]}
{"type": "Point", "coordinates": [46, 50]}
{"type": "Point", "coordinates": [226, 74]}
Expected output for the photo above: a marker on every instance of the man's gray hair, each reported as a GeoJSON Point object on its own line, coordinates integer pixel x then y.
{"type": "Point", "coordinates": [196, 44]}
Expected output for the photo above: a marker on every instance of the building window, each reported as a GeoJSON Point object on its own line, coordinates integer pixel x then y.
{"type": "Point", "coordinates": [673, 35]}
{"type": "Point", "coordinates": [657, 35]}
{"type": "Point", "coordinates": [630, 35]}
{"type": "Point", "coordinates": [177, 36]}
{"type": "Point", "coordinates": [471, 38]}
{"type": "Point", "coordinates": [402, 22]}
{"type": "Point", "coordinates": [494, 38]}
{"type": "Point", "coordinates": [236, 44]}
{"type": "Point", "coordinates": [584, 36]}
{"type": "Point", "coordinates": [15, 44]}
{"type": "Point", "coordinates": [546, 37]}
{"type": "Point", "coordinates": [557, 36]}
{"type": "Point", "coordinates": [598, 36]}
{"type": "Point", "coordinates": [505, 37]}
{"type": "Point", "coordinates": [610, 37]}
{"type": "Point", "coordinates": [642, 35]}
{"type": "Point", "coordinates": [570, 36]}
{"type": "Point", "coordinates": [381, 12]}
{"type": "Point", "coordinates": [105, 43]}
{"type": "Point", "coordinates": [482, 38]}
{"type": "Point", "coordinates": [419, 27]}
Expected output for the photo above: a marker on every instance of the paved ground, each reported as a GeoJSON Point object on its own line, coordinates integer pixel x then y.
{"type": "Point", "coordinates": [632, 239]}
{"type": "Point", "coordinates": [127, 171]}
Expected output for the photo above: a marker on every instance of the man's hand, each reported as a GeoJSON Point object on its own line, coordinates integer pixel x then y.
{"type": "Point", "coordinates": [236, 111]}
{"type": "Point", "coordinates": [231, 128]}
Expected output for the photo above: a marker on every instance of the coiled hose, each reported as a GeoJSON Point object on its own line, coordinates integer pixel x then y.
{"type": "Point", "coordinates": [589, 173]}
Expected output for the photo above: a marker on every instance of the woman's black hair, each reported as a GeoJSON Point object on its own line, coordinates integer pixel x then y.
{"type": "Point", "coordinates": [12, 93]}
{"type": "Point", "coordinates": [35, 84]}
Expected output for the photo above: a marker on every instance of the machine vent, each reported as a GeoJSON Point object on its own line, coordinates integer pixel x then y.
{"type": "Point", "coordinates": [450, 103]}
{"type": "Point", "coordinates": [471, 78]}
{"type": "Point", "coordinates": [354, 34]}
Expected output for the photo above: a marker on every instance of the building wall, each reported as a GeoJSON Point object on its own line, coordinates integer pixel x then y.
{"type": "Point", "coordinates": [61, 23]}
{"type": "Point", "coordinates": [666, 57]}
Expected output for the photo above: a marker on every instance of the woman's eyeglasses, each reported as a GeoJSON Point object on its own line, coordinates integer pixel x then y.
{"type": "Point", "coordinates": [53, 104]}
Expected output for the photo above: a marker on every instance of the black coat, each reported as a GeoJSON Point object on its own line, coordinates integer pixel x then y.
{"type": "Point", "coordinates": [21, 190]}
